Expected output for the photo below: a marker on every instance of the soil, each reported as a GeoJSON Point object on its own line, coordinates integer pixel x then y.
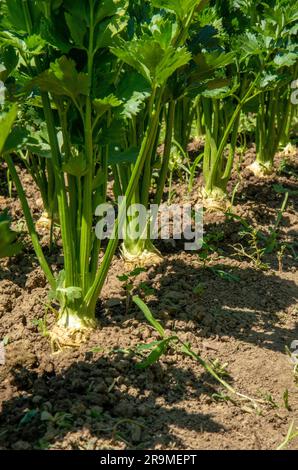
{"type": "Point", "coordinates": [226, 307]}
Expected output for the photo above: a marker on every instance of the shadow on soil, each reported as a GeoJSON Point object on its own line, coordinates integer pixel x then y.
{"type": "Point", "coordinates": [221, 300]}
{"type": "Point", "coordinates": [111, 398]}
{"type": "Point", "coordinates": [18, 268]}
{"type": "Point", "coordinates": [245, 304]}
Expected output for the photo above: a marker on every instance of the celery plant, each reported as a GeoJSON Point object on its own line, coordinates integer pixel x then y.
{"type": "Point", "coordinates": [272, 41]}
{"type": "Point", "coordinates": [160, 42]}
{"type": "Point", "coordinates": [222, 118]}
{"type": "Point", "coordinates": [18, 59]}
{"type": "Point", "coordinates": [273, 127]}
{"type": "Point", "coordinates": [79, 163]}
{"type": "Point", "coordinates": [9, 244]}
{"type": "Point", "coordinates": [75, 78]}
{"type": "Point", "coordinates": [36, 157]}
{"type": "Point", "coordinates": [224, 85]}
{"type": "Point", "coordinates": [274, 120]}
{"type": "Point", "coordinates": [258, 35]}
{"type": "Point", "coordinates": [184, 117]}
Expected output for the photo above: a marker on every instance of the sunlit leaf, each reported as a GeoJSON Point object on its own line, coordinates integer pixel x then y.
{"type": "Point", "coordinates": [154, 356]}
{"type": "Point", "coordinates": [102, 105]}
{"type": "Point", "coordinates": [150, 318]}
{"type": "Point", "coordinates": [148, 57]}
{"type": "Point", "coordinates": [182, 8]}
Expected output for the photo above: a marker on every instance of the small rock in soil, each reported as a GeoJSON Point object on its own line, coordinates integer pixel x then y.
{"type": "Point", "coordinates": [124, 408]}
{"type": "Point", "coordinates": [136, 433]}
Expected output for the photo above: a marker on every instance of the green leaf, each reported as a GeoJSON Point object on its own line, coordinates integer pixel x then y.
{"type": "Point", "coordinates": [35, 44]}
{"type": "Point", "coordinates": [268, 80]}
{"type": "Point", "coordinates": [16, 140]}
{"type": "Point", "coordinates": [28, 417]}
{"type": "Point", "coordinates": [16, 15]}
{"type": "Point", "coordinates": [123, 277]}
{"type": "Point", "coordinates": [9, 60]}
{"type": "Point", "coordinates": [54, 293]}
{"type": "Point", "coordinates": [209, 62]}
{"type": "Point", "coordinates": [70, 293]}
{"type": "Point", "coordinates": [163, 30]}
{"type": "Point", "coordinates": [227, 276]}
{"type": "Point", "coordinates": [102, 105]}
{"type": "Point", "coordinates": [39, 147]}
{"type": "Point", "coordinates": [150, 318]}
{"type": "Point", "coordinates": [116, 156]}
{"type": "Point", "coordinates": [6, 123]}
{"type": "Point", "coordinates": [216, 93]}
{"type": "Point", "coordinates": [78, 9]}
{"type": "Point", "coordinates": [182, 8]}
{"type": "Point", "coordinates": [46, 416]}
{"type": "Point", "coordinates": [107, 30]}
{"type": "Point", "coordinates": [145, 347]}
{"type": "Point", "coordinates": [133, 90]}
{"type": "Point", "coordinates": [147, 56]}
{"type": "Point", "coordinates": [111, 134]}
{"type": "Point", "coordinates": [2, 71]}
{"type": "Point", "coordinates": [154, 355]}
{"type": "Point", "coordinates": [109, 21]}
{"type": "Point", "coordinates": [286, 60]}
{"type": "Point", "coordinates": [172, 60]}
{"type": "Point", "coordinates": [134, 105]}
{"type": "Point", "coordinates": [62, 78]}
{"type": "Point", "coordinates": [75, 166]}
{"type": "Point", "coordinates": [108, 8]}
{"type": "Point", "coordinates": [77, 29]}
{"type": "Point", "coordinates": [53, 36]}
{"type": "Point", "coordinates": [251, 44]}
{"type": "Point", "coordinates": [99, 179]}
{"type": "Point", "coordinates": [9, 246]}
{"type": "Point", "coordinates": [137, 271]}
{"type": "Point", "coordinates": [139, 55]}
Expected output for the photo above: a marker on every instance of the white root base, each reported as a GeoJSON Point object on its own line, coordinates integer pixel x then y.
{"type": "Point", "coordinates": [70, 332]}
{"type": "Point", "coordinates": [261, 170]}
{"type": "Point", "coordinates": [74, 322]}
{"type": "Point", "coordinates": [44, 222]}
{"type": "Point", "coordinates": [215, 201]}
{"type": "Point", "coordinates": [290, 150]}
{"type": "Point", "coordinates": [143, 259]}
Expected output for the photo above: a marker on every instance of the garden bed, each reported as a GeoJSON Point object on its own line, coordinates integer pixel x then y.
{"type": "Point", "coordinates": [93, 397]}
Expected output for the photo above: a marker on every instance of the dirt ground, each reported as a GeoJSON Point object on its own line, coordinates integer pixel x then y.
{"type": "Point", "coordinates": [227, 308]}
